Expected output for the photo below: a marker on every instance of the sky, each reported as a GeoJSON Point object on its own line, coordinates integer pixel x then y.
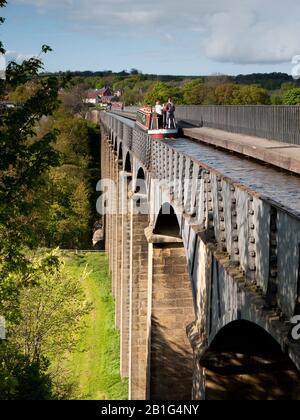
{"type": "Point", "coordinates": [186, 37]}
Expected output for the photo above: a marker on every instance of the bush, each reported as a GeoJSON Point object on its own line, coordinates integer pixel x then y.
{"type": "Point", "coordinates": [292, 97]}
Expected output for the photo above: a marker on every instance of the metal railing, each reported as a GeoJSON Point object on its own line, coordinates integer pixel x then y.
{"type": "Point", "coordinates": [272, 122]}
{"type": "Point", "coordinates": [280, 123]}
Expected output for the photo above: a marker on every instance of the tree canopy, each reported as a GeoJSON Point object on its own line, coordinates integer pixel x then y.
{"type": "Point", "coordinates": [292, 97]}
{"type": "Point", "coordinates": [44, 202]}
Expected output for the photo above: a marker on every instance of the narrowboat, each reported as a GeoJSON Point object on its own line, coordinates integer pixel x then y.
{"type": "Point", "coordinates": [147, 120]}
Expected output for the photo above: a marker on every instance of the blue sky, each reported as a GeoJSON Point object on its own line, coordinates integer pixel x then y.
{"type": "Point", "coordinates": [166, 37]}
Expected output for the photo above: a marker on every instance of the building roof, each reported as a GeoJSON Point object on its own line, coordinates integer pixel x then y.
{"type": "Point", "coordinates": [103, 90]}
{"type": "Point", "coordinates": [94, 94]}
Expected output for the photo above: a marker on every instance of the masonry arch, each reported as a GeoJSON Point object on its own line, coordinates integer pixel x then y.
{"type": "Point", "coordinates": [171, 361]}
{"type": "Point", "coordinates": [120, 152]}
{"type": "Point", "coordinates": [167, 222]}
{"type": "Point", "coordinates": [244, 362]}
{"type": "Point", "coordinates": [140, 182]}
{"type": "Point", "coordinates": [141, 192]}
{"type": "Point", "coordinates": [116, 145]}
{"type": "Point", "coordinates": [128, 163]}
{"type": "Point", "coordinates": [141, 174]}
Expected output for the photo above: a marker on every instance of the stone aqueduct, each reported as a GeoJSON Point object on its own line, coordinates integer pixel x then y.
{"type": "Point", "coordinates": [205, 294]}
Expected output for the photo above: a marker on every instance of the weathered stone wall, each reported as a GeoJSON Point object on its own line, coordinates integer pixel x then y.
{"type": "Point", "coordinates": [172, 311]}
{"type": "Point", "coordinates": [239, 262]}
{"type": "Point", "coordinates": [125, 296]}
{"type": "Point", "coordinates": [139, 306]}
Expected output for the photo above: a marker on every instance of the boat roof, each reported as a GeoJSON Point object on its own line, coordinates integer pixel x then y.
{"type": "Point", "coordinates": [146, 110]}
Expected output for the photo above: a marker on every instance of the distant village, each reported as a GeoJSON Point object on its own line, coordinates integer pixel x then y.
{"type": "Point", "coordinates": [104, 97]}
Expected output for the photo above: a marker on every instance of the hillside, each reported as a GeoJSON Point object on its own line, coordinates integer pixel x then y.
{"type": "Point", "coordinates": [135, 88]}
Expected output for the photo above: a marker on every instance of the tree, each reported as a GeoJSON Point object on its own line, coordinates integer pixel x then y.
{"type": "Point", "coordinates": [62, 213]}
{"type": "Point", "coordinates": [72, 100]}
{"type": "Point", "coordinates": [226, 94]}
{"type": "Point", "coordinates": [32, 149]}
{"type": "Point", "coordinates": [69, 209]}
{"type": "Point", "coordinates": [292, 97]}
{"type": "Point", "coordinates": [252, 95]}
{"type": "Point", "coordinates": [217, 79]}
{"type": "Point", "coordinates": [22, 380]}
{"type": "Point", "coordinates": [2, 4]}
{"type": "Point", "coordinates": [52, 310]}
{"type": "Point", "coordinates": [161, 92]}
{"type": "Point", "coordinates": [232, 94]}
{"type": "Point", "coordinates": [276, 99]}
{"type": "Point", "coordinates": [24, 159]}
{"type": "Point", "coordinates": [288, 86]}
{"type": "Point", "coordinates": [194, 92]}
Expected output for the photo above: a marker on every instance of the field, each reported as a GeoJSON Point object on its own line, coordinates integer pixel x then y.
{"type": "Point", "coordinates": [94, 366]}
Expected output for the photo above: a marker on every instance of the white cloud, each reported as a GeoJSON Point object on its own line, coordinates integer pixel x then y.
{"type": "Point", "coordinates": [17, 57]}
{"type": "Point", "coordinates": [243, 38]}
{"type": "Point", "coordinates": [233, 31]}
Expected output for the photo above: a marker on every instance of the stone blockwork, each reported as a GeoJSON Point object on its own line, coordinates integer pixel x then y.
{"type": "Point", "coordinates": [172, 311]}
{"type": "Point", "coordinates": [232, 260]}
{"type": "Point", "coordinates": [140, 283]}
{"type": "Point", "coordinates": [125, 296]}
{"type": "Point", "coordinates": [139, 307]}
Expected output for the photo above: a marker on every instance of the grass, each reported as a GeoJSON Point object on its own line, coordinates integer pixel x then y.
{"type": "Point", "coordinates": [94, 365]}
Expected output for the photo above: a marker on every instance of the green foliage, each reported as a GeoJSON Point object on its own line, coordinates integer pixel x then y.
{"type": "Point", "coordinates": [230, 94]}
{"type": "Point", "coordinates": [25, 158]}
{"type": "Point", "coordinates": [63, 212]}
{"type": "Point", "coordinates": [161, 92]}
{"type": "Point", "coordinates": [2, 4]}
{"type": "Point", "coordinates": [72, 100]}
{"type": "Point", "coordinates": [288, 86]}
{"type": "Point", "coordinates": [194, 92]}
{"type": "Point", "coordinates": [253, 95]}
{"type": "Point", "coordinates": [69, 211]}
{"type": "Point", "coordinates": [95, 364]}
{"type": "Point", "coordinates": [269, 81]}
{"type": "Point", "coordinates": [52, 308]}
{"type": "Point", "coordinates": [135, 86]}
{"type": "Point", "coordinates": [44, 201]}
{"type": "Point", "coordinates": [292, 97]}
{"type": "Point", "coordinates": [21, 379]}
{"type": "Point", "coordinates": [73, 140]}
{"type": "Point", "coordinates": [141, 89]}
{"type": "Point", "coordinates": [276, 99]}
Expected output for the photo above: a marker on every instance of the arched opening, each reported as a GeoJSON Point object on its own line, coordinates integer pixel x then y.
{"type": "Point", "coordinates": [128, 166]}
{"type": "Point", "coordinates": [116, 146]}
{"type": "Point", "coordinates": [120, 154]}
{"type": "Point", "coordinates": [245, 363]}
{"type": "Point", "coordinates": [140, 190]}
{"type": "Point", "coordinates": [171, 363]}
{"type": "Point", "coordinates": [167, 222]}
{"type": "Point", "coordinates": [141, 174]}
